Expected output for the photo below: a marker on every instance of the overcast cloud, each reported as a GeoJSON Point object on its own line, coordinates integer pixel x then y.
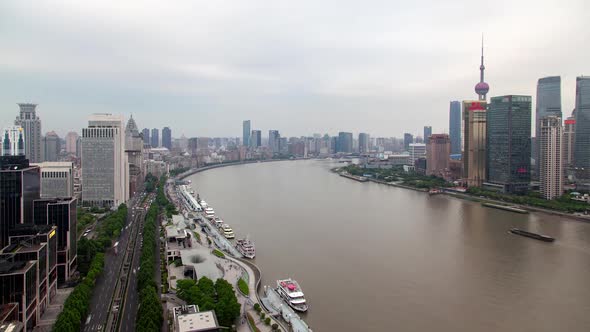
{"type": "Point", "coordinates": [201, 67]}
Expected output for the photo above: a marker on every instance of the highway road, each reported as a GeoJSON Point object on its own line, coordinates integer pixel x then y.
{"type": "Point", "coordinates": [105, 284]}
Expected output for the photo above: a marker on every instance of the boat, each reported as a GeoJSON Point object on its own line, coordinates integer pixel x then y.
{"type": "Point", "coordinates": [434, 191]}
{"type": "Point", "coordinates": [291, 293]}
{"type": "Point", "coordinates": [218, 221]}
{"type": "Point", "coordinates": [227, 231]}
{"type": "Point", "coordinates": [209, 213]}
{"type": "Point", "coordinates": [535, 236]}
{"type": "Point", "coordinates": [246, 248]}
{"type": "Point", "coordinates": [203, 203]}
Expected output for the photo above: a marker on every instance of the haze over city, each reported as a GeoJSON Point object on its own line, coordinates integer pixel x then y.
{"type": "Point", "coordinates": [378, 67]}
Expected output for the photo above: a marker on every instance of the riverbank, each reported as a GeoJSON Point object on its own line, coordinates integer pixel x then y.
{"type": "Point", "coordinates": [245, 162]}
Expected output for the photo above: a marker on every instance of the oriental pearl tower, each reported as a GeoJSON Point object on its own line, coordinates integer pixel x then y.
{"type": "Point", "coordinates": [482, 87]}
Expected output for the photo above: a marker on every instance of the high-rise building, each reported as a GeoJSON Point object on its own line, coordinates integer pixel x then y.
{"type": "Point", "coordinates": [51, 146]}
{"type": "Point", "coordinates": [438, 150]}
{"type": "Point", "coordinates": [427, 133]}
{"type": "Point", "coordinates": [60, 213]}
{"type": "Point", "coordinates": [256, 138]}
{"type": "Point", "coordinates": [283, 146]}
{"type": "Point", "coordinates": [104, 162]}
{"type": "Point", "coordinates": [509, 139]}
{"type": "Point", "coordinates": [20, 185]}
{"type": "Point", "coordinates": [568, 142]}
{"type": "Point", "coordinates": [551, 162]}
{"type": "Point", "coordinates": [408, 139]}
{"type": "Point", "coordinates": [474, 146]}
{"type": "Point", "coordinates": [455, 127]}
{"type": "Point", "coordinates": [246, 133]}
{"type": "Point", "coordinates": [134, 151]}
{"type": "Point", "coordinates": [145, 133]}
{"type": "Point", "coordinates": [344, 142]}
{"type": "Point", "coordinates": [582, 128]}
{"type": "Point", "coordinates": [155, 138]}
{"type": "Point", "coordinates": [13, 141]}
{"type": "Point", "coordinates": [167, 138]}
{"type": "Point", "coordinates": [31, 125]}
{"type": "Point", "coordinates": [548, 103]}
{"type": "Point", "coordinates": [417, 151]}
{"type": "Point", "coordinates": [364, 140]}
{"type": "Point", "coordinates": [57, 179]}
{"type": "Point", "coordinates": [71, 142]}
{"type": "Point", "coordinates": [274, 140]}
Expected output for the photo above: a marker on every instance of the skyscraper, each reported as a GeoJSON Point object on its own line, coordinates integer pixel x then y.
{"type": "Point", "coordinates": [246, 133]}
{"type": "Point", "coordinates": [438, 150]}
{"type": "Point", "coordinates": [256, 138]}
{"type": "Point", "coordinates": [344, 142]}
{"type": "Point", "coordinates": [167, 138]}
{"type": "Point", "coordinates": [548, 103]}
{"type": "Point", "coordinates": [155, 138]}
{"type": "Point", "coordinates": [71, 142]}
{"type": "Point", "coordinates": [51, 146]}
{"type": "Point", "coordinates": [474, 146]}
{"type": "Point", "coordinates": [31, 125]}
{"type": "Point", "coordinates": [104, 162]}
{"type": "Point", "coordinates": [146, 136]}
{"type": "Point", "coordinates": [408, 138]}
{"type": "Point", "coordinates": [134, 152]}
{"type": "Point", "coordinates": [57, 179]}
{"type": "Point", "coordinates": [427, 133]}
{"type": "Point", "coordinates": [551, 162]}
{"type": "Point", "coordinates": [568, 142]}
{"type": "Point", "coordinates": [20, 185]}
{"type": "Point", "coordinates": [582, 127]}
{"type": "Point", "coordinates": [455, 127]}
{"type": "Point", "coordinates": [13, 141]}
{"type": "Point", "coordinates": [364, 143]}
{"type": "Point", "coordinates": [509, 139]}
{"type": "Point", "coordinates": [274, 140]}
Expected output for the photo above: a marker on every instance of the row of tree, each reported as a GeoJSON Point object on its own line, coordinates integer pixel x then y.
{"type": "Point", "coordinates": [563, 203]}
{"type": "Point", "coordinates": [76, 306]}
{"type": "Point", "coordinates": [219, 296]}
{"type": "Point", "coordinates": [149, 314]}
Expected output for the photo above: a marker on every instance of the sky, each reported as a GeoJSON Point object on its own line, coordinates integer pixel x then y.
{"type": "Point", "coordinates": [301, 67]}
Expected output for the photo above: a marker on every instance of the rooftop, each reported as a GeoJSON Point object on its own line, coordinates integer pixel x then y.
{"type": "Point", "coordinates": [195, 321]}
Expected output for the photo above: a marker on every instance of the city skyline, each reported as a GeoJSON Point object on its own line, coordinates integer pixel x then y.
{"type": "Point", "coordinates": [352, 70]}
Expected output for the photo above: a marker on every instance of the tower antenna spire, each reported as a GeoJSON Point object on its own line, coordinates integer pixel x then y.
{"type": "Point", "coordinates": [482, 87]}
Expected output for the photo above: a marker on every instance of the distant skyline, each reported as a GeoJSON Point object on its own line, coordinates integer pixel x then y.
{"type": "Point", "coordinates": [307, 67]}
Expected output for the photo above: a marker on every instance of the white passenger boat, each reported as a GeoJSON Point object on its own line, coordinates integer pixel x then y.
{"type": "Point", "coordinates": [227, 231]}
{"type": "Point", "coordinates": [209, 213]}
{"type": "Point", "coordinates": [291, 293]}
{"type": "Point", "coordinates": [246, 248]}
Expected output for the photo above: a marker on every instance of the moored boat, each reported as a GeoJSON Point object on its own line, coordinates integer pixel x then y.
{"type": "Point", "coordinates": [227, 231]}
{"type": "Point", "coordinates": [246, 248]}
{"type": "Point", "coordinates": [291, 293]}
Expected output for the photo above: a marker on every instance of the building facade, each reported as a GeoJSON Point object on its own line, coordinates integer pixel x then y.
{"type": "Point", "coordinates": [31, 125]}
{"type": "Point", "coordinates": [155, 138]}
{"type": "Point", "coordinates": [274, 138]}
{"type": "Point", "coordinates": [256, 139]}
{"type": "Point", "coordinates": [417, 150]}
{"type": "Point", "coordinates": [364, 143]}
{"type": "Point", "coordinates": [438, 150]}
{"type": "Point", "coordinates": [408, 139]}
{"type": "Point", "coordinates": [344, 142]}
{"type": "Point", "coordinates": [13, 141]}
{"type": "Point", "coordinates": [568, 142]}
{"type": "Point", "coordinates": [582, 130]}
{"type": "Point", "coordinates": [167, 138]}
{"type": "Point", "coordinates": [455, 126]}
{"type": "Point", "coordinates": [71, 142]}
{"type": "Point", "coordinates": [51, 146]}
{"type": "Point", "coordinates": [145, 134]}
{"type": "Point", "coordinates": [427, 133]}
{"type": "Point", "coordinates": [20, 185]}
{"type": "Point", "coordinates": [134, 152]}
{"type": "Point", "coordinates": [551, 162]}
{"type": "Point", "coordinates": [474, 146]}
{"type": "Point", "coordinates": [57, 179]}
{"type": "Point", "coordinates": [104, 162]}
{"type": "Point", "coordinates": [548, 104]}
{"type": "Point", "coordinates": [508, 143]}
{"type": "Point", "coordinates": [246, 133]}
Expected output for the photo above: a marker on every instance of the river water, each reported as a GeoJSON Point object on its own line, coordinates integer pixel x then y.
{"type": "Point", "coordinates": [371, 257]}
